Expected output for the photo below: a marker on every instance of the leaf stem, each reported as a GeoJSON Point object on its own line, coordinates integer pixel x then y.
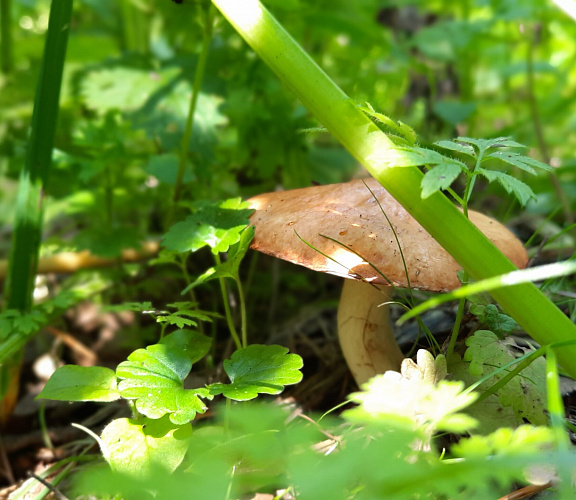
{"type": "Point", "coordinates": [229, 318]}
{"type": "Point", "coordinates": [538, 131]}
{"type": "Point", "coordinates": [243, 320]}
{"type": "Point", "coordinates": [198, 77]}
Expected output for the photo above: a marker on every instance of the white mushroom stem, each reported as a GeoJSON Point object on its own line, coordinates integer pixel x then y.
{"type": "Point", "coordinates": [365, 332]}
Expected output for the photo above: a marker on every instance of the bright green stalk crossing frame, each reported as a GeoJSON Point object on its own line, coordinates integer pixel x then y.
{"type": "Point", "coordinates": [373, 149]}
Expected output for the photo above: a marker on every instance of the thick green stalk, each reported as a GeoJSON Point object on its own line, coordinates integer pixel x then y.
{"type": "Point", "coordinates": [28, 221]}
{"type": "Point", "coordinates": [477, 255]}
{"type": "Point", "coordinates": [6, 53]}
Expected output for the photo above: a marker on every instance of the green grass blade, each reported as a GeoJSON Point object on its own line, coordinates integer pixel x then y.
{"type": "Point", "coordinates": [490, 284]}
{"type": "Point", "coordinates": [6, 52]}
{"type": "Point", "coordinates": [23, 262]}
{"type": "Point", "coordinates": [28, 222]}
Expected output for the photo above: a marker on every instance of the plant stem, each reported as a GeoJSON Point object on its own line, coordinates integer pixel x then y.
{"type": "Point", "coordinates": [6, 51]}
{"type": "Point", "coordinates": [198, 76]}
{"type": "Point", "coordinates": [538, 131]}
{"type": "Point", "coordinates": [373, 149]}
{"type": "Point", "coordinates": [34, 176]}
{"type": "Point", "coordinates": [229, 318]}
{"type": "Point", "coordinates": [243, 322]}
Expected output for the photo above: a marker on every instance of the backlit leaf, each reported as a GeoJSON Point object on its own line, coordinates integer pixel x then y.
{"type": "Point", "coordinates": [259, 369]}
{"type": "Point", "coordinates": [81, 383]}
{"type": "Point", "coordinates": [217, 225]}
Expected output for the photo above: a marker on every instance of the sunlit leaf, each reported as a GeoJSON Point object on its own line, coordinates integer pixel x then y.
{"type": "Point", "coordinates": [81, 383]}
{"type": "Point", "coordinates": [135, 447]}
{"type": "Point", "coordinates": [217, 225]}
{"type": "Point", "coordinates": [154, 377]}
{"type": "Point", "coordinates": [522, 162]}
{"type": "Point", "coordinates": [229, 268]}
{"type": "Point", "coordinates": [512, 185]}
{"type": "Point", "coordinates": [259, 369]}
{"type": "Point", "coordinates": [439, 177]}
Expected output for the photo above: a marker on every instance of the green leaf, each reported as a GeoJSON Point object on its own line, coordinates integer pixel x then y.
{"type": "Point", "coordinates": [130, 306]}
{"type": "Point", "coordinates": [457, 146]}
{"type": "Point", "coordinates": [490, 316]}
{"type": "Point", "coordinates": [259, 369]}
{"type": "Point", "coordinates": [439, 177]}
{"type": "Point", "coordinates": [154, 378]}
{"type": "Point", "coordinates": [165, 169]}
{"type": "Point", "coordinates": [522, 162]}
{"type": "Point", "coordinates": [176, 320]}
{"type": "Point", "coordinates": [192, 343]}
{"type": "Point", "coordinates": [123, 88]}
{"type": "Point", "coordinates": [524, 440]}
{"type": "Point", "coordinates": [454, 112]}
{"type": "Point", "coordinates": [217, 225]}
{"type": "Point", "coordinates": [413, 157]}
{"type": "Point", "coordinates": [406, 132]}
{"type": "Point", "coordinates": [512, 185]}
{"type": "Point", "coordinates": [81, 383]}
{"type": "Point", "coordinates": [521, 399]}
{"type": "Point", "coordinates": [230, 268]}
{"type": "Point", "coordinates": [135, 447]}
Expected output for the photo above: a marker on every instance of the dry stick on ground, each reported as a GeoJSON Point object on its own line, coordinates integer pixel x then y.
{"type": "Point", "coordinates": [70, 262]}
{"type": "Point", "coordinates": [340, 229]}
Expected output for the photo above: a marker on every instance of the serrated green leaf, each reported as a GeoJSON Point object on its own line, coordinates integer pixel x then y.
{"type": "Point", "coordinates": [496, 321]}
{"type": "Point", "coordinates": [505, 142]}
{"type": "Point", "coordinates": [230, 268]}
{"type": "Point", "coordinates": [259, 369]}
{"type": "Point", "coordinates": [130, 306]}
{"type": "Point", "coordinates": [193, 344]}
{"type": "Point", "coordinates": [217, 225]}
{"type": "Point", "coordinates": [154, 376]}
{"type": "Point", "coordinates": [404, 156]}
{"type": "Point", "coordinates": [135, 447]}
{"type": "Point", "coordinates": [81, 383]}
{"type": "Point", "coordinates": [408, 132]}
{"type": "Point", "coordinates": [457, 146]}
{"type": "Point", "coordinates": [512, 185]}
{"type": "Point", "coordinates": [522, 162]}
{"type": "Point", "coordinates": [176, 319]}
{"type": "Point", "coordinates": [521, 399]}
{"type": "Point", "coordinates": [439, 177]}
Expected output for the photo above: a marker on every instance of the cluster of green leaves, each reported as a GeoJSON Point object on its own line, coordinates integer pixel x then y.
{"type": "Point", "coordinates": [476, 158]}
{"type": "Point", "coordinates": [379, 449]}
{"type": "Point", "coordinates": [15, 323]}
{"type": "Point", "coordinates": [152, 380]}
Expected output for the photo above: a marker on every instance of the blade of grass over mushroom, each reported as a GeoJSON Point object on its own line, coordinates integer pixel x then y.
{"type": "Point", "coordinates": [34, 176]}
{"type": "Point", "coordinates": [496, 282]}
{"type": "Point", "coordinates": [371, 147]}
{"type": "Point", "coordinates": [343, 265]}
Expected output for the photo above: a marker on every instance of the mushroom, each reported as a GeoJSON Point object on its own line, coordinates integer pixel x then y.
{"type": "Point", "coordinates": [341, 229]}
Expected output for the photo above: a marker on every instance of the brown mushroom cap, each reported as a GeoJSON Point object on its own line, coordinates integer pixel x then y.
{"type": "Point", "coordinates": [349, 213]}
